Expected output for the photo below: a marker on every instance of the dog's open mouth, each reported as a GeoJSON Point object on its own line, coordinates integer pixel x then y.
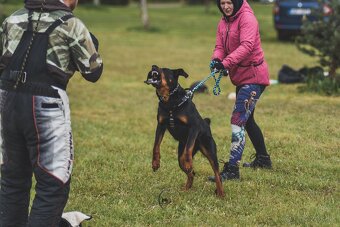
{"type": "Point", "coordinates": [154, 79]}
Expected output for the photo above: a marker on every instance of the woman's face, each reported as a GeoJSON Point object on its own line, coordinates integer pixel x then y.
{"type": "Point", "coordinates": [71, 3]}
{"type": "Point", "coordinates": [227, 7]}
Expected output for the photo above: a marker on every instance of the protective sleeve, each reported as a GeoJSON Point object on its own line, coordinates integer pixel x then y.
{"type": "Point", "coordinates": [94, 76]}
{"type": "Point", "coordinates": [83, 51]}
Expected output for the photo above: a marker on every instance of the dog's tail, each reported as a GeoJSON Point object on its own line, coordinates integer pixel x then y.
{"type": "Point", "coordinates": [207, 120]}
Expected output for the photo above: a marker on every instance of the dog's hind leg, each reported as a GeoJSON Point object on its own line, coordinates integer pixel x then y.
{"type": "Point", "coordinates": [208, 149]}
{"type": "Point", "coordinates": [191, 174]}
{"type": "Point", "coordinates": [196, 149]}
{"type": "Point", "coordinates": [186, 157]}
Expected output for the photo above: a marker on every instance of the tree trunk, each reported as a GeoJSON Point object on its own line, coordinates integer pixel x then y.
{"type": "Point", "coordinates": [96, 2]}
{"type": "Point", "coordinates": [207, 5]}
{"type": "Point", "coordinates": [332, 69]}
{"type": "Point", "coordinates": [145, 16]}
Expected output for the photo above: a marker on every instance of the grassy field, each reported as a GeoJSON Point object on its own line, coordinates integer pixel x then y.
{"type": "Point", "coordinates": [114, 122]}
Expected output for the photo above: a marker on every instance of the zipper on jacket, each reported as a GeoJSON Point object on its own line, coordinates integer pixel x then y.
{"type": "Point", "coordinates": [227, 37]}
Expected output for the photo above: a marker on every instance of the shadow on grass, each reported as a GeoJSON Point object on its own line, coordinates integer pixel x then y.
{"type": "Point", "coordinates": [142, 29]}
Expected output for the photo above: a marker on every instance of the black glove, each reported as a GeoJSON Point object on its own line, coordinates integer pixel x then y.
{"type": "Point", "coordinates": [95, 41]}
{"type": "Point", "coordinates": [216, 65]}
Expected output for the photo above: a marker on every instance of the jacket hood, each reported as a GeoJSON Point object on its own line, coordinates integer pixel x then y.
{"type": "Point", "coordinates": [49, 5]}
{"type": "Point", "coordinates": [237, 6]}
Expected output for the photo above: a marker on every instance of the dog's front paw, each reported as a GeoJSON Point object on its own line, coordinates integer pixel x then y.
{"type": "Point", "coordinates": [219, 193]}
{"type": "Point", "coordinates": [155, 165]}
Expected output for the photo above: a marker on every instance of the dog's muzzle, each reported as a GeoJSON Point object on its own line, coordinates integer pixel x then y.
{"type": "Point", "coordinates": [153, 80]}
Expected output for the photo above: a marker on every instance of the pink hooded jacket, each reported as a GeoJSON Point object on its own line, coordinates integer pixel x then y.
{"type": "Point", "coordinates": [238, 46]}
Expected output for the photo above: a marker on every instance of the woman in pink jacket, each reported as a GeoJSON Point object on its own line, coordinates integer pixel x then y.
{"type": "Point", "coordinates": [238, 51]}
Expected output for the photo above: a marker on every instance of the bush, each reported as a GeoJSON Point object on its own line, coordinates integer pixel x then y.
{"type": "Point", "coordinates": [317, 82]}
{"type": "Point", "coordinates": [196, 2]}
{"type": "Point", "coordinates": [115, 2]}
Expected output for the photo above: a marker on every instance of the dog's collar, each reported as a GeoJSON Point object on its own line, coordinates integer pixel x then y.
{"type": "Point", "coordinates": [172, 105]}
{"type": "Point", "coordinates": [171, 93]}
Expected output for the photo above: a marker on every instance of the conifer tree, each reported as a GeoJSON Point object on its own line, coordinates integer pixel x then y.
{"type": "Point", "coordinates": [321, 38]}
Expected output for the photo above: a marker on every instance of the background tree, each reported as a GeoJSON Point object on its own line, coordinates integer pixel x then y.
{"type": "Point", "coordinates": [96, 2]}
{"type": "Point", "coordinates": [321, 38]}
{"type": "Point", "coordinates": [144, 14]}
{"type": "Point", "coordinates": [207, 5]}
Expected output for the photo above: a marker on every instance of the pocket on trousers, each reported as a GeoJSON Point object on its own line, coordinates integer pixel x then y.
{"type": "Point", "coordinates": [49, 105]}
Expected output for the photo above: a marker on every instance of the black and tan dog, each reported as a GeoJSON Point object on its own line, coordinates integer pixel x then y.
{"type": "Point", "coordinates": [178, 114]}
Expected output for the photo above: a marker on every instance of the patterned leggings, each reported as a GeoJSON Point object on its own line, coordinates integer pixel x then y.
{"type": "Point", "coordinates": [243, 120]}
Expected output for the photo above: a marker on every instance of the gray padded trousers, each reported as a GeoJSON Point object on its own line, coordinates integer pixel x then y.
{"type": "Point", "coordinates": [36, 138]}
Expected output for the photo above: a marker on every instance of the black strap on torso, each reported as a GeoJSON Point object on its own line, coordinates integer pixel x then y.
{"type": "Point", "coordinates": [30, 23]}
{"type": "Point", "coordinates": [35, 73]}
{"type": "Point", "coordinates": [58, 22]}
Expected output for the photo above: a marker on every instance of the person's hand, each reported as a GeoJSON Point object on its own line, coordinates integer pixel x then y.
{"type": "Point", "coordinates": [216, 65]}
{"type": "Point", "coordinates": [95, 41]}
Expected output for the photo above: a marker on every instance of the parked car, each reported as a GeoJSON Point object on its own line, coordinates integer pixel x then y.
{"type": "Point", "coordinates": [288, 15]}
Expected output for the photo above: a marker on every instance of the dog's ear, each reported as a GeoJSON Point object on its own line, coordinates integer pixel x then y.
{"type": "Point", "coordinates": [180, 72]}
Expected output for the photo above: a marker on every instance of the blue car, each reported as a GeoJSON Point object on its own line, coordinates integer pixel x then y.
{"type": "Point", "coordinates": [289, 14]}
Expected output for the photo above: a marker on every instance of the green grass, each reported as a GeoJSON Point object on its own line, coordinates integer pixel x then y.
{"type": "Point", "coordinates": [114, 122]}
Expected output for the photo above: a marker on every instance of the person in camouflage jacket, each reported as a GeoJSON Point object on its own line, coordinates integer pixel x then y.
{"type": "Point", "coordinates": [42, 45]}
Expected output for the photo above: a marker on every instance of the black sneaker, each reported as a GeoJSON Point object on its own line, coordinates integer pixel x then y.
{"type": "Point", "coordinates": [260, 161]}
{"type": "Point", "coordinates": [230, 172]}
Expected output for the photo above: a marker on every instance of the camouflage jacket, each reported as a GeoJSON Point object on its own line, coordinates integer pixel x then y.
{"type": "Point", "coordinates": [70, 45]}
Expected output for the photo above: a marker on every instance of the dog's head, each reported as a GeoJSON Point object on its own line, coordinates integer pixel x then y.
{"type": "Point", "coordinates": [164, 80]}
{"type": "Point", "coordinates": [160, 77]}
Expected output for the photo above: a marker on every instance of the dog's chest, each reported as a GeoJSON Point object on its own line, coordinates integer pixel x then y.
{"type": "Point", "coordinates": [173, 120]}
